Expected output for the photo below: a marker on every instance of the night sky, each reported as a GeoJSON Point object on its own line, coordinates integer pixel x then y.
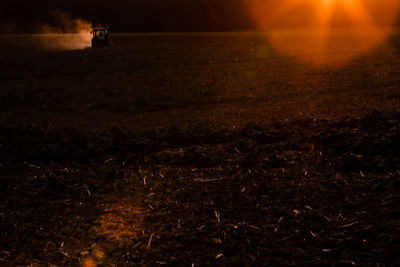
{"type": "Point", "coordinates": [18, 16]}
{"type": "Point", "coordinates": [25, 16]}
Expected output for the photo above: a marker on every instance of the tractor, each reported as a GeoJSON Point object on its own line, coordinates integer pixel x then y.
{"type": "Point", "coordinates": [100, 37]}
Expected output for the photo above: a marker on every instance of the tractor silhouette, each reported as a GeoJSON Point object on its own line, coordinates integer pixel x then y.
{"type": "Point", "coordinates": [100, 37]}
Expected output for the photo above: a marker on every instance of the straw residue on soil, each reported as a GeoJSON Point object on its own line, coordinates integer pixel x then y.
{"type": "Point", "coordinates": [301, 191]}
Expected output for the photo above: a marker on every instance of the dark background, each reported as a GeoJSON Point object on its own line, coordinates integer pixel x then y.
{"type": "Point", "coordinates": [19, 16]}
{"type": "Point", "coordinates": [26, 16]}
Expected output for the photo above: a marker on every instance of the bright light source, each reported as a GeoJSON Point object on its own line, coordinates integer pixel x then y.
{"type": "Point", "coordinates": [327, 2]}
{"type": "Point", "coordinates": [366, 24]}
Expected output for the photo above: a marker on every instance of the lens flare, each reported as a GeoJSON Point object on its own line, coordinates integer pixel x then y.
{"type": "Point", "coordinates": [314, 31]}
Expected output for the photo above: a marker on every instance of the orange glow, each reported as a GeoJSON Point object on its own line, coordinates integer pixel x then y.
{"type": "Point", "coordinates": [96, 258]}
{"type": "Point", "coordinates": [312, 30]}
{"type": "Point", "coordinates": [89, 263]}
{"type": "Point", "coordinates": [121, 221]}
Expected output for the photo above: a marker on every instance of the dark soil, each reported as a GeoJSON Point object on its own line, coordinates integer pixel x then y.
{"type": "Point", "coordinates": [295, 192]}
{"type": "Point", "coordinates": [198, 149]}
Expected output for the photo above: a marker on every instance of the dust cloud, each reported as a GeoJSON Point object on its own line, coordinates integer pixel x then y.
{"type": "Point", "coordinates": [60, 32]}
{"type": "Point", "coordinates": [65, 32]}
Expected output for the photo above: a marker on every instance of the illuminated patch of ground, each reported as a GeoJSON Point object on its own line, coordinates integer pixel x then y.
{"type": "Point", "coordinates": [121, 221]}
{"type": "Point", "coordinates": [94, 258]}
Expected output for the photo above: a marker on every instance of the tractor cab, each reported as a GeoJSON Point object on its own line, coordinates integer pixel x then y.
{"type": "Point", "coordinates": [100, 37]}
